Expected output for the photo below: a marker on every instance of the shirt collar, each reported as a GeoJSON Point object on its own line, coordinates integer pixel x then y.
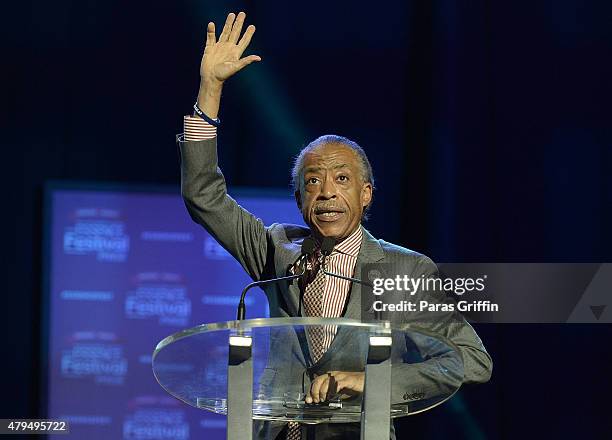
{"type": "Point", "coordinates": [351, 244]}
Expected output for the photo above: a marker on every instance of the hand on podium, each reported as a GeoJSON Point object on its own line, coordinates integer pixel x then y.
{"type": "Point", "coordinates": [331, 384]}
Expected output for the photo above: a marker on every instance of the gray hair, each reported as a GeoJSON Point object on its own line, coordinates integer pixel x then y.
{"type": "Point", "coordinates": [366, 168]}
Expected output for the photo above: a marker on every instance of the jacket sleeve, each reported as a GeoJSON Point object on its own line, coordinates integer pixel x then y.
{"type": "Point", "coordinates": [441, 370]}
{"type": "Point", "coordinates": [204, 191]}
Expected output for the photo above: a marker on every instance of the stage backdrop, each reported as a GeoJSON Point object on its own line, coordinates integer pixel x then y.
{"type": "Point", "coordinates": [124, 269]}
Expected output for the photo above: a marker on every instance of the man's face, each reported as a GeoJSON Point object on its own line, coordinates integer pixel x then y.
{"type": "Point", "coordinates": [332, 193]}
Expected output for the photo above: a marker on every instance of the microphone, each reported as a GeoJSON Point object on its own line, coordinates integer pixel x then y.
{"type": "Point", "coordinates": [327, 246]}
{"type": "Point", "coordinates": [308, 247]}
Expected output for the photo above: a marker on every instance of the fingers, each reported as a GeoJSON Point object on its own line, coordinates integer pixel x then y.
{"type": "Point", "coordinates": [325, 387]}
{"type": "Point", "coordinates": [237, 28]}
{"type": "Point", "coordinates": [315, 389]}
{"type": "Point", "coordinates": [227, 28]}
{"type": "Point", "coordinates": [210, 34]}
{"type": "Point", "coordinates": [322, 388]}
{"type": "Point", "coordinates": [313, 395]}
{"type": "Point", "coordinates": [232, 29]}
{"type": "Point", "coordinates": [243, 62]}
{"type": "Point", "coordinates": [246, 38]}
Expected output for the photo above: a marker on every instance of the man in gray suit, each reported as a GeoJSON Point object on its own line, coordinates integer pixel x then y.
{"type": "Point", "coordinates": [333, 189]}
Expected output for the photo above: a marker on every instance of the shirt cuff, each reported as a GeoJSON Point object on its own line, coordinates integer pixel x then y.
{"type": "Point", "coordinates": [197, 129]}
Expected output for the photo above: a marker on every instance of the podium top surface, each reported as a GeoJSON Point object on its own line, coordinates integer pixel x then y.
{"type": "Point", "coordinates": [192, 365]}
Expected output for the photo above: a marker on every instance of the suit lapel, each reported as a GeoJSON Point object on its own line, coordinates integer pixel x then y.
{"type": "Point", "coordinates": [293, 286]}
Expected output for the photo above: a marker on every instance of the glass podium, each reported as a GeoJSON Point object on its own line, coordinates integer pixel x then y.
{"type": "Point", "coordinates": [266, 364]}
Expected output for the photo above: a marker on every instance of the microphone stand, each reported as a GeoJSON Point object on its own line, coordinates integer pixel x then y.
{"type": "Point", "coordinates": [242, 306]}
{"type": "Point", "coordinates": [308, 247]}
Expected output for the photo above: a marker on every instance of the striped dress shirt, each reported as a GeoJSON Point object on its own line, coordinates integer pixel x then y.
{"type": "Point", "coordinates": [341, 261]}
{"type": "Point", "coordinates": [197, 129]}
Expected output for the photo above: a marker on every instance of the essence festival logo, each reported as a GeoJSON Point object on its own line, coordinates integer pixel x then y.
{"type": "Point", "coordinates": [95, 355]}
{"type": "Point", "coordinates": [152, 417]}
{"type": "Point", "coordinates": [99, 232]}
{"type": "Point", "coordinates": [160, 296]}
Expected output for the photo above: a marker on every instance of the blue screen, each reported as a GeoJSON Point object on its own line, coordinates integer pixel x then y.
{"type": "Point", "coordinates": [124, 270]}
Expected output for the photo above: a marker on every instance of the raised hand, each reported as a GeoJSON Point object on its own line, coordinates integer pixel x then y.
{"type": "Point", "coordinates": [221, 60]}
{"type": "Point", "coordinates": [221, 57]}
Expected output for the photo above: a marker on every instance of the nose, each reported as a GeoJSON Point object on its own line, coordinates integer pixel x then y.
{"type": "Point", "coordinates": [328, 189]}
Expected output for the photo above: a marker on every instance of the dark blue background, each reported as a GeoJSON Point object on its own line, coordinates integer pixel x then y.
{"type": "Point", "coordinates": [488, 125]}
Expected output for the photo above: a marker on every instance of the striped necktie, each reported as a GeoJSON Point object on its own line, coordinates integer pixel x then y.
{"type": "Point", "coordinates": [313, 306]}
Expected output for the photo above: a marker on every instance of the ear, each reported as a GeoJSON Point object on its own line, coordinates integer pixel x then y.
{"type": "Point", "coordinates": [366, 194]}
{"type": "Point", "coordinates": [298, 199]}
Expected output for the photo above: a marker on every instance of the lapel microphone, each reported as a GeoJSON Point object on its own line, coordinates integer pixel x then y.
{"type": "Point", "coordinates": [308, 248]}
{"type": "Point", "coordinates": [327, 246]}
{"type": "Point", "coordinates": [309, 245]}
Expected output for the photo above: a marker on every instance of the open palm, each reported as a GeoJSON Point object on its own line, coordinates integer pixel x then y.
{"type": "Point", "coordinates": [221, 57]}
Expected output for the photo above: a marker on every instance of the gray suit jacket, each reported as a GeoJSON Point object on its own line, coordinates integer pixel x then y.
{"type": "Point", "coordinates": [268, 251]}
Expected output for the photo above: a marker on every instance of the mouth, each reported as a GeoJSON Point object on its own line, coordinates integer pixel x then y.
{"type": "Point", "coordinates": [328, 214]}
